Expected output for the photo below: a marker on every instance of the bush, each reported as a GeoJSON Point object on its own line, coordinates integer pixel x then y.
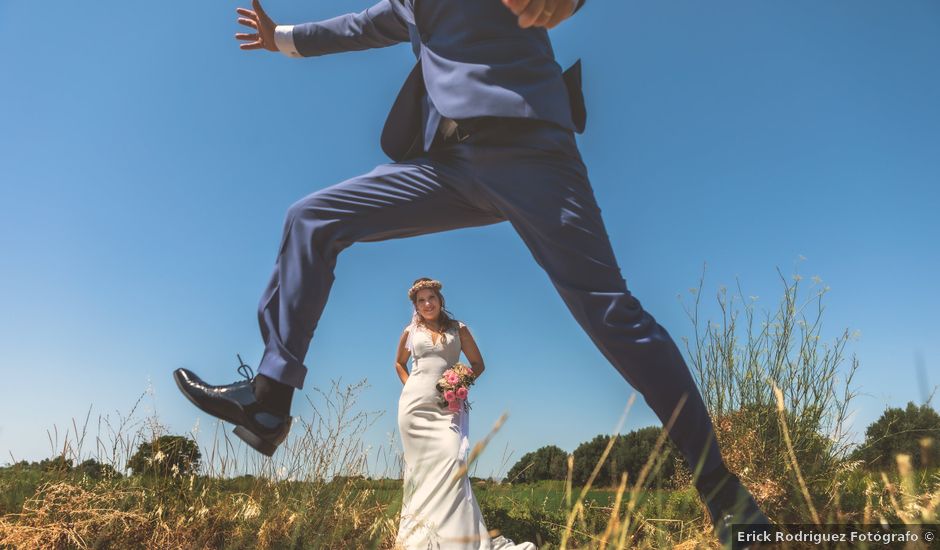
{"type": "Point", "coordinates": [55, 464]}
{"type": "Point", "coordinates": [166, 456]}
{"type": "Point", "coordinates": [738, 365]}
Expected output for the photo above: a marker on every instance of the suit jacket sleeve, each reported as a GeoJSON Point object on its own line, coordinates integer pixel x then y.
{"type": "Point", "coordinates": [376, 27]}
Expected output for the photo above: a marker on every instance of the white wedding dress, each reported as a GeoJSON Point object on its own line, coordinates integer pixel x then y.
{"type": "Point", "coordinates": [439, 510]}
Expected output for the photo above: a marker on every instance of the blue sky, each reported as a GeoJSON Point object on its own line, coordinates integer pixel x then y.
{"type": "Point", "coordinates": [146, 164]}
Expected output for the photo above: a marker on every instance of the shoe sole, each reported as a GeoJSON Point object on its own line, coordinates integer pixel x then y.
{"type": "Point", "coordinates": [255, 442]}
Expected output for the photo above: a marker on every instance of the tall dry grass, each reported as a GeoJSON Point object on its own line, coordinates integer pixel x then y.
{"type": "Point", "coordinates": [312, 494]}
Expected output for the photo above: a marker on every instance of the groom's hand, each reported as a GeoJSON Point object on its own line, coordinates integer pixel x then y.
{"type": "Point", "coordinates": [541, 13]}
{"type": "Point", "coordinates": [257, 19]}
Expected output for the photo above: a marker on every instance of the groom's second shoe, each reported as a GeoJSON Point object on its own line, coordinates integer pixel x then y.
{"type": "Point", "coordinates": [261, 423]}
{"type": "Point", "coordinates": [729, 503]}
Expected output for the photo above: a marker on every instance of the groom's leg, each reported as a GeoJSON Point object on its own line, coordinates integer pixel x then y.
{"type": "Point", "coordinates": [542, 188]}
{"type": "Point", "coordinates": [394, 200]}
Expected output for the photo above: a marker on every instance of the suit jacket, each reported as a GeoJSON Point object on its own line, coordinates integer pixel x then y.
{"type": "Point", "coordinates": [473, 60]}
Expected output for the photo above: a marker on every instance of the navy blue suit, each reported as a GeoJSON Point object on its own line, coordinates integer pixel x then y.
{"type": "Point", "coordinates": [475, 61]}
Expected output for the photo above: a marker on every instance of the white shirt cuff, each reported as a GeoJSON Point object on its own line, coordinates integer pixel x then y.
{"type": "Point", "coordinates": [284, 40]}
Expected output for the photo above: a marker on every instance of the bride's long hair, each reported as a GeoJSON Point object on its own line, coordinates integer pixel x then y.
{"type": "Point", "coordinates": [445, 319]}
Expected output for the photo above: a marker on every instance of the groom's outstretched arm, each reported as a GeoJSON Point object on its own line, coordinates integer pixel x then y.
{"type": "Point", "coordinates": [375, 27]}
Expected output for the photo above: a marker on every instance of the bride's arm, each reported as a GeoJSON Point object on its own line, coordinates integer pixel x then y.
{"type": "Point", "coordinates": [469, 348]}
{"type": "Point", "coordinates": [401, 357]}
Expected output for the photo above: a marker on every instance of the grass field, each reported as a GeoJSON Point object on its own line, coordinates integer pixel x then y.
{"type": "Point", "coordinates": [770, 386]}
{"type": "Point", "coordinates": [66, 510]}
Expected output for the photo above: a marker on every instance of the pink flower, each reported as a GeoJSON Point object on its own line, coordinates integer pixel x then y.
{"type": "Point", "coordinates": [449, 396]}
{"type": "Point", "coordinates": [453, 406]}
{"type": "Point", "coordinates": [452, 377]}
{"type": "Point", "coordinates": [462, 393]}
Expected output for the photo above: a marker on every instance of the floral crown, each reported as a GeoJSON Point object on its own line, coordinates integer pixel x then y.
{"type": "Point", "coordinates": [421, 285]}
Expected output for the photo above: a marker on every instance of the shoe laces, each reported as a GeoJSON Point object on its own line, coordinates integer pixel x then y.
{"type": "Point", "coordinates": [244, 369]}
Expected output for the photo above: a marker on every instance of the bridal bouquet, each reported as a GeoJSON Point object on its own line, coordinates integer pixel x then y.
{"type": "Point", "coordinates": [454, 386]}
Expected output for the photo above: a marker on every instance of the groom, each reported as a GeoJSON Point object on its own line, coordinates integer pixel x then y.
{"type": "Point", "coordinates": [481, 132]}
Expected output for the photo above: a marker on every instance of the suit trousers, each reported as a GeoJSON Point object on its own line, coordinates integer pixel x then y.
{"type": "Point", "coordinates": [529, 174]}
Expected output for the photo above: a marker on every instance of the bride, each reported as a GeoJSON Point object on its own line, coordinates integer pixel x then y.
{"type": "Point", "coordinates": [439, 510]}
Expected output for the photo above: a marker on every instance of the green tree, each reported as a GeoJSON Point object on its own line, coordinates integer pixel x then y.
{"type": "Point", "coordinates": [587, 455]}
{"type": "Point", "coordinates": [633, 451]}
{"type": "Point", "coordinates": [629, 454]}
{"type": "Point", "coordinates": [167, 455]}
{"type": "Point", "coordinates": [914, 431]}
{"type": "Point", "coordinates": [549, 462]}
{"type": "Point", "coordinates": [96, 470]}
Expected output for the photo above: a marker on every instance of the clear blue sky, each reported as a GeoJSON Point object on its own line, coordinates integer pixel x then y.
{"type": "Point", "coordinates": [146, 164]}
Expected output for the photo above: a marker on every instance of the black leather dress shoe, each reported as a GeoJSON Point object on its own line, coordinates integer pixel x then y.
{"type": "Point", "coordinates": [256, 424]}
{"type": "Point", "coordinates": [730, 504]}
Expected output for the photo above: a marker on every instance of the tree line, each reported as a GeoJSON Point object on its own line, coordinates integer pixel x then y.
{"type": "Point", "coordinates": [914, 431]}
{"type": "Point", "coordinates": [165, 456]}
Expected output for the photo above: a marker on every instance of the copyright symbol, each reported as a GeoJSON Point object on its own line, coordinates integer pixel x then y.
{"type": "Point", "coordinates": [928, 536]}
